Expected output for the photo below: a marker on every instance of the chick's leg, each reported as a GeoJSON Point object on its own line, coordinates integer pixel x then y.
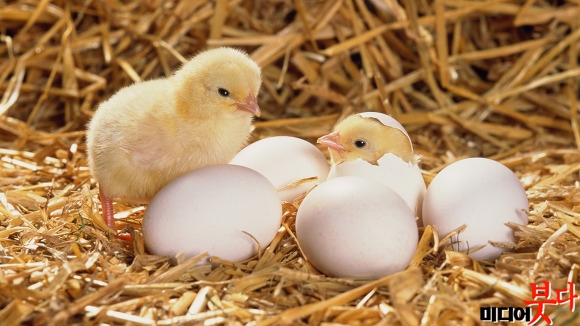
{"type": "Point", "coordinates": [109, 216]}
{"type": "Point", "coordinates": [107, 207]}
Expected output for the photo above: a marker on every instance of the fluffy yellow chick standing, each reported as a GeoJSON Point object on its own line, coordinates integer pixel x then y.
{"type": "Point", "coordinates": [150, 133]}
{"type": "Point", "coordinates": [375, 146]}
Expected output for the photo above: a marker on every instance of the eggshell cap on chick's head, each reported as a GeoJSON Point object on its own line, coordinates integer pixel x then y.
{"type": "Point", "coordinates": [388, 121]}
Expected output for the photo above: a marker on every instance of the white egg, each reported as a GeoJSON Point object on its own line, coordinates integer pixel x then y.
{"type": "Point", "coordinates": [354, 227]}
{"type": "Point", "coordinates": [392, 171]}
{"type": "Point", "coordinates": [284, 160]}
{"type": "Point", "coordinates": [222, 210]}
{"type": "Point", "coordinates": [482, 194]}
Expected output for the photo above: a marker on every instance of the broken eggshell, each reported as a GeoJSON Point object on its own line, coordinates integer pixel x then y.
{"type": "Point", "coordinates": [388, 121]}
{"type": "Point", "coordinates": [402, 177]}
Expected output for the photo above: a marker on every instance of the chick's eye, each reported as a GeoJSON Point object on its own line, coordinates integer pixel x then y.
{"type": "Point", "coordinates": [223, 92]}
{"type": "Point", "coordinates": [360, 143]}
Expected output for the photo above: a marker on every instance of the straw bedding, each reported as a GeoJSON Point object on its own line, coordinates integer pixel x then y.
{"type": "Point", "coordinates": [492, 78]}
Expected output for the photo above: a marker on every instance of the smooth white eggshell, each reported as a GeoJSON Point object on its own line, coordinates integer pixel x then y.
{"type": "Point", "coordinates": [283, 160]}
{"type": "Point", "coordinates": [213, 209]}
{"type": "Point", "coordinates": [354, 227]}
{"type": "Point", "coordinates": [392, 171]}
{"type": "Point", "coordinates": [484, 195]}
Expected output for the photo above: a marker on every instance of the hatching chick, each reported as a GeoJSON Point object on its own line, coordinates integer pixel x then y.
{"type": "Point", "coordinates": [375, 146]}
{"type": "Point", "coordinates": [150, 133]}
{"type": "Point", "coordinates": [366, 138]}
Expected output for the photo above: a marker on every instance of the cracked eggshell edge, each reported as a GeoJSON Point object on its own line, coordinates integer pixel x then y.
{"type": "Point", "coordinates": [388, 121]}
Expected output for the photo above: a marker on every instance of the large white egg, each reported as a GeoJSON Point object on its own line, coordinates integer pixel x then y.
{"type": "Point", "coordinates": [222, 210]}
{"type": "Point", "coordinates": [482, 194]}
{"type": "Point", "coordinates": [392, 171]}
{"type": "Point", "coordinates": [284, 160]}
{"type": "Point", "coordinates": [354, 227]}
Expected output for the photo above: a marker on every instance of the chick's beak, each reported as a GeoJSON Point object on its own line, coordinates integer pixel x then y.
{"type": "Point", "coordinates": [331, 141]}
{"type": "Point", "coordinates": [250, 104]}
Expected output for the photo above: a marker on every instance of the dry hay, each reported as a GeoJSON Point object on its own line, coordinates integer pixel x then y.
{"type": "Point", "coordinates": [493, 78]}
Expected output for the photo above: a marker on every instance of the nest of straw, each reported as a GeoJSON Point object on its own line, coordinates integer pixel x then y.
{"type": "Point", "coordinates": [492, 78]}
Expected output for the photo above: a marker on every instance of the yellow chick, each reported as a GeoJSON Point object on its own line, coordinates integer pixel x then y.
{"type": "Point", "coordinates": [152, 132]}
{"type": "Point", "coordinates": [367, 138]}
